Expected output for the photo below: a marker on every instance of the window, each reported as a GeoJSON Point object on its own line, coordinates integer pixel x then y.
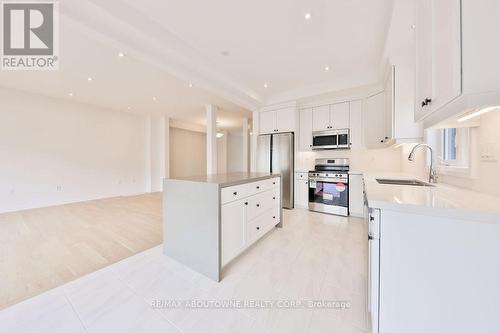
{"type": "Point", "coordinates": [454, 150]}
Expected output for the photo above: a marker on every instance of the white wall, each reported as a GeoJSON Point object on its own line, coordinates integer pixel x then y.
{"type": "Point", "coordinates": [53, 152]}
{"type": "Point", "coordinates": [235, 152]}
{"type": "Point", "coordinates": [188, 153]}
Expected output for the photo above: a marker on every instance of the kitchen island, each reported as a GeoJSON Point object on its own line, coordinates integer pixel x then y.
{"type": "Point", "coordinates": [209, 220]}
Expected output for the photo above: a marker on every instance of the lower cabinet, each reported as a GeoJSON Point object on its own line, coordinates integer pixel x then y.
{"type": "Point", "coordinates": [245, 220]}
{"type": "Point", "coordinates": [301, 190]}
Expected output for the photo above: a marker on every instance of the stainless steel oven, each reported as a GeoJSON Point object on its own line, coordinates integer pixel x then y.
{"type": "Point", "coordinates": [332, 139]}
{"type": "Point", "coordinates": [329, 187]}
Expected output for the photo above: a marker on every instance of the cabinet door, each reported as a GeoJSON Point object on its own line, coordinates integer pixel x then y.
{"type": "Point", "coordinates": [321, 118]}
{"type": "Point", "coordinates": [267, 122]}
{"type": "Point", "coordinates": [301, 193]}
{"type": "Point", "coordinates": [233, 225]}
{"type": "Point", "coordinates": [285, 120]}
{"type": "Point", "coordinates": [305, 129]}
{"type": "Point", "coordinates": [356, 124]}
{"type": "Point", "coordinates": [423, 56]}
{"type": "Point", "coordinates": [446, 53]}
{"type": "Point", "coordinates": [374, 121]}
{"type": "Point", "coordinates": [339, 116]}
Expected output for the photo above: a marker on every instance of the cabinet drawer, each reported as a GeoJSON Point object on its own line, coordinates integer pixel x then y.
{"type": "Point", "coordinates": [261, 225]}
{"type": "Point", "coordinates": [263, 185]}
{"type": "Point", "coordinates": [232, 193]}
{"type": "Point", "coordinates": [301, 175]}
{"type": "Point", "coordinates": [260, 203]}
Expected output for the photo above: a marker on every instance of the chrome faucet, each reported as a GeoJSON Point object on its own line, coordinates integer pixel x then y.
{"type": "Point", "coordinates": [433, 177]}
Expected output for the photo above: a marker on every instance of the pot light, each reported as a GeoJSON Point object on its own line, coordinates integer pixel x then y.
{"type": "Point", "coordinates": [129, 108]}
{"type": "Point", "coordinates": [219, 135]}
{"type": "Point", "coordinates": [90, 79]}
{"type": "Point", "coordinates": [154, 98]}
{"type": "Point", "coordinates": [477, 113]}
{"type": "Point", "coordinates": [327, 68]}
{"type": "Point", "coordinates": [70, 94]}
{"type": "Point", "coordinates": [266, 85]}
{"type": "Point", "coordinates": [307, 16]}
{"type": "Point", "coordinates": [121, 54]}
{"type": "Point", "coordinates": [190, 85]}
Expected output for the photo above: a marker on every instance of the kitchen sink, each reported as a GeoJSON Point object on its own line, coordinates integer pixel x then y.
{"type": "Point", "coordinates": [409, 182]}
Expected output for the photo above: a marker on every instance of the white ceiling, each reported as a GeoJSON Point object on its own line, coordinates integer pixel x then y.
{"type": "Point", "coordinates": [171, 43]}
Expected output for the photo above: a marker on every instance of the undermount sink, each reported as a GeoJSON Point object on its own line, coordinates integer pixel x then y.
{"type": "Point", "coordinates": [409, 182]}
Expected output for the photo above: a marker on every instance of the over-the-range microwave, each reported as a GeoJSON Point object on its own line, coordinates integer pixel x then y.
{"type": "Point", "coordinates": [331, 139]}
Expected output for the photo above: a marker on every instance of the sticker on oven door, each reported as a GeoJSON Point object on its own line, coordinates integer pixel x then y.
{"type": "Point", "coordinates": [327, 196]}
{"type": "Point", "coordinates": [312, 184]}
{"type": "Point", "coordinates": [340, 187]}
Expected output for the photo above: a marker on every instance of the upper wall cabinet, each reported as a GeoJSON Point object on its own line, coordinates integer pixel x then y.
{"type": "Point", "coordinates": [457, 67]}
{"type": "Point", "coordinates": [277, 121]}
{"type": "Point", "coordinates": [335, 116]}
{"type": "Point", "coordinates": [306, 129]}
{"type": "Point", "coordinates": [438, 59]}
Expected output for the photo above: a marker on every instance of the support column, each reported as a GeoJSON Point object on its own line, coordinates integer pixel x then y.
{"type": "Point", "coordinates": [211, 139]}
{"type": "Point", "coordinates": [255, 134]}
{"type": "Point", "coordinates": [245, 144]}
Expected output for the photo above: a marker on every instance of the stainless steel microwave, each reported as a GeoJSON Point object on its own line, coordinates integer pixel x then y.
{"type": "Point", "coordinates": [332, 139]}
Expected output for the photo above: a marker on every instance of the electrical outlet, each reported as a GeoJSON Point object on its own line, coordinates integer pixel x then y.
{"type": "Point", "coordinates": [59, 187]}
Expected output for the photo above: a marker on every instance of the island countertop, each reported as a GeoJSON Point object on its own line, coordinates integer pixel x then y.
{"type": "Point", "coordinates": [228, 179]}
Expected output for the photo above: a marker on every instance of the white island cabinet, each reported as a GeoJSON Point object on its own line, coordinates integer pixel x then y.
{"type": "Point", "coordinates": [209, 220]}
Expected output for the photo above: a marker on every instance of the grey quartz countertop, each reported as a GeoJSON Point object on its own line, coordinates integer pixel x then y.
{"type": "Point", "coordinates": [228, 179]}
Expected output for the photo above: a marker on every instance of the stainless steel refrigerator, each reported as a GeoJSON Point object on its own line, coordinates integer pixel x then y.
{"type": "Point", "coordinates": [275, 154]}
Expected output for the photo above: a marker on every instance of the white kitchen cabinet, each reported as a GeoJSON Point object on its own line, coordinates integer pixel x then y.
{"type": "Point", "coordinates": [356, 196]}
{"type": "Point", "coordinates": [438, 55]}
{"type": "Point", "coordinates": [277, 121]}
{"type": "Point", "coordinates": [321, 118]}
{"type": "Point", "coordinates": [305, 129]}
{"type": "Point", "coordinates": [356, 125]}
{"type": "Point", "coordinates": [389, 105]}
{"type": "Point", "coordinates": [301, 190]}
{"type": "Point", "coordinates": [335, 116]}
{"type": "Point", "coordinates": [339, 115]}
{"type": "Point", "coordinates": [233, 223]}
{"type": "Point", "coordinates": [267, 122]}
{"type": "Point", "coordinates": [374, 121]}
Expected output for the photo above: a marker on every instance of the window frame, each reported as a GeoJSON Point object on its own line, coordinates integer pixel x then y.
{"type": "Point", "coordinates": [462, 165]}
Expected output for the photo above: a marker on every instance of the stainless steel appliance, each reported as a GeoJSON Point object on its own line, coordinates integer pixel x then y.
{"type": "Point", "coordinates": [276, 155]}
{"type": "Point", "coordinates": [332, 139]}
{"type": "Point", "coordinates": [329, 186]}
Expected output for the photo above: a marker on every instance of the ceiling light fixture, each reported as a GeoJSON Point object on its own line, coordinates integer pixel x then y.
{"type": "Point", "coordinates": [327, 68]}
{"type": "Point", "coordinates": [121, 54]}
{"type": "Point", "coordinates": [129, 108]}
{"type": "Point", "coordinates": [219, 135]}
{"type": "Point", "coordinates": [266, 85]}
{"type": "Point", "coordinates": [190, 85]}
{"type": "Point", "coordinates": [477, 113]}
{"type": "Point", "coordinates": [90, 79]}
{"type": "Point", "coordinates": [70, 94]}
{"type": "Point", "coordinates": [154, 98]}
{"type": "Point", "coordinates": [307, 16]}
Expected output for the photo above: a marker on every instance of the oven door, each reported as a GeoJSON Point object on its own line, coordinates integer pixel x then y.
{"type": "Point", "coordinates": [325, 140]}
{"type": "Point", "coordinates": [329, 196]}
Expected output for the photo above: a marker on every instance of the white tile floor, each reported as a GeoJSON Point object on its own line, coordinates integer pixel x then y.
{"type": "Point", "coordinates": [314, 257]}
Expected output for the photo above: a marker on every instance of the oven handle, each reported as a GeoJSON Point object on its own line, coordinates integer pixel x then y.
{"type": "Point", "coordinates": [329, 180]}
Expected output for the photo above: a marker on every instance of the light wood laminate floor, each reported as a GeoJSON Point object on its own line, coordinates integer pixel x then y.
{"type": "Point", "coordinates": [47, 247]}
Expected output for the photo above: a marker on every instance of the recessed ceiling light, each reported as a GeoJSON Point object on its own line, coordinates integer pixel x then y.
{"type": "Point", "coordinates": [307, 16]}
{"type": "Point", "coordinates": [266, 85]}
{"type": "Point", "coordinates": [121, 54]}
{"type": "Point", "coordinates": [70, 94]}
{"type": "Point", "coordinates": [90, 79]}
{"type": "Point", "coordinates": [190, 85]}
{"type": "Point", "coordinates": [219, 135]}
{"type": "Point", "coordinates": [154, 98]}
{"type": "Point", "coordinates": [413, 26]}
{"type": "Point", "coordinates": [327, 68]}
{"type": "Point", "coordinates": [129, 108]}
